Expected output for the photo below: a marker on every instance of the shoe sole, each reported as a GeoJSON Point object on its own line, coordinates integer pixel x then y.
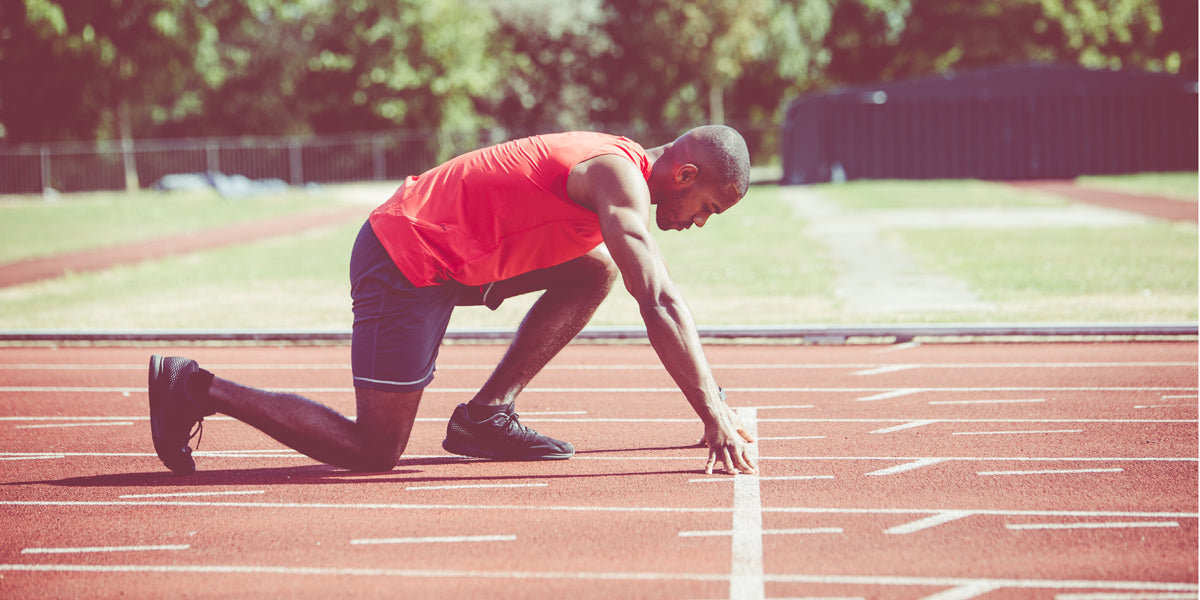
{"type": "Point", "coordinates": [158, 411]}
{"type": "Point", "coordinates": [477, 452]}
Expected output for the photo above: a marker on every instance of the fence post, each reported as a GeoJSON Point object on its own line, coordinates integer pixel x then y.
{"type": "Point", "coordinates": [297, 164]}
{"type": "Point", "coordinates": [45, 155]}
{"type": "Point", "coordinates": [377, 154]}
{"type": "Point", "coordinates": [212, 157]}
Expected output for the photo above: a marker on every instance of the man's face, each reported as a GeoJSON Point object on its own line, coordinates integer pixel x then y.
{"type": "Point", "coordinates": [691, 205]}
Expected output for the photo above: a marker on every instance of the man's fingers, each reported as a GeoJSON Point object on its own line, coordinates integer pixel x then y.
{"type": "Point", "coordinates": [712, 459]}
{"type": "Point", "coordinates": [729, 466]}
{"type": "Point", "coordinates": [745, 436]}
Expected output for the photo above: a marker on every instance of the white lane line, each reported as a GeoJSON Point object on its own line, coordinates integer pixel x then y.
{"type": "Point", "coordinates": [1128, 596]}
{"type": "Point", "coordinates": [1132, 525]}
{"type": "Point", "coordinates": [436, 540]}
{"type": "Point", "coordinates": [764, 478]}
{"type": "Point", "coordinates": [890, 394]}
{"type": "Point", "coordinates": [908, 466]}
{"type": "Point", "coordinates": [746, 568]}
{"type": "Point", "coordinates": [785, 407]}
{"type": "Point", "coordinates": [1052, 472]}
{"type": "Point", "coordinates": [909, 425]}
{"type": "Point", "coordinates": [1076, 514]}
{"type": "Point", "coordinates": [809, 531]}
{"type": "Point", "coordinates": [59, 425]}
{"type": "Point", "coordinates": [474, 486]}
{"type": "Point", "coordinates": [929, 522]}
{"type": "Point", "coordinates": [692, 420]}
{"type": "Point", "coordinates": [877, 393]}
{"type": "Point", "coordinates": [965, 592]}
{"type": "Point", "coordinates": [616, 367]}
{"type": "Point", "coordinates": [195, 494]}
{"type": "Point", "coordinates": [1026, 432]}
{"type": "Point", "coordinates": [886, 369]}
{"type": "Point", "coordinates": [1166, 406]}
{"type": "Point", "coordinates": [796, 437]}
{"type": "Point", "coordinates": [289, 454]}
{"type": "Point", "coordinates": [862, 580]}
{"type": "Point", "coordinates": [942, 402]}
{"type": "Point", "coordinates": [92, 549]}
{"type": "Point", "coordinates": [34, 457]}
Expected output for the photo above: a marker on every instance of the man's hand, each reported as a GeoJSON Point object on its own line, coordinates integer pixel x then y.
{"type": "Point", "coordinates": [728, 442]}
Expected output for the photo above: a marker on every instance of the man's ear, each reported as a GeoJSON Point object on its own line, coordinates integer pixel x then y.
{"type": "Point", "coordinates": [685, 173]}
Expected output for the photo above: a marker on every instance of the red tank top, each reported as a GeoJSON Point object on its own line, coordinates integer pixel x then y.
{"type": "Point", "coordinates": [497, 212]}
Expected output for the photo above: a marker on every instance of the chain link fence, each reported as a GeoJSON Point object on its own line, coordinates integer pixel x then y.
{"type": "Point", "coordinates": [111, 165]}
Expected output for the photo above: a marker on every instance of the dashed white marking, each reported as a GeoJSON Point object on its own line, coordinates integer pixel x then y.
{"type": "Point", "coordinates": [1030, 401]}
{"type": "Point", "coordinates": [436, 540]}
{"type": "Point", "coordinates": [1125, 596]}
{"type": "Point", "coordinates": [1026, 432]}
{"type": "Point", "coordinates": [746, 569]}
{"type": "Point", "coordinates": [34, 457]}
{"type": "Point", "coordinates": [891, 394]}
{"type": "Point", "coordinates": [879, 580]}
{"type": "Point", "coordinates": [965, 592]}
{"type": "Point", "coordinates": [809, 531]}
{"type": "Point", "coordinates": [909, 425]}
{"type": "Point", "coordinates": [931, 521]}
{"type": "Point", "coordinates": [886, 369]}
{"type": "Point", "coordinates": [476, 486]}
{"type": "Point", "coordinates": [196, 494]}
{"type": "Point", "coordinates": [92, 549]}
{"type": "Point", "coordinates": [796, 437]}
{"type": "Point", "coordinates": [59, 425]}
{"type": "Point", "coordinates": [1130, 525]}
{"type": "Point", "coordinates": [1053, 472]}
{"type": "Point", "coordinates": [909, 466]}
{"type": "Point", "coordinates": [762, 478]}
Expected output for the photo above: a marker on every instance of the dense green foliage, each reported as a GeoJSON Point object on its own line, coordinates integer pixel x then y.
{"type": "Point", "coordinates": [103, 69]}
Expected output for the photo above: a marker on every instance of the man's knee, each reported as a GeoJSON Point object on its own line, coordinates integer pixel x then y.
{"type": "Point", "coordinates": [377, 460]}
{"type": "Point", "coordinates": [384, 421]}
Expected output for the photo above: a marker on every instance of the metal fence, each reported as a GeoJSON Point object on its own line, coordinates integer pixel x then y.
{"type": "Point", "coordinates": [74, 167]}
{"type": "Point", "coordinates": [108, 165]}
{"type": "Point", "coordinates": [1015, 123]}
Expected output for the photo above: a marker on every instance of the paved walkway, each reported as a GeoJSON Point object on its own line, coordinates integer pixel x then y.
{"type": "Point", "coordinates": [876, 273]}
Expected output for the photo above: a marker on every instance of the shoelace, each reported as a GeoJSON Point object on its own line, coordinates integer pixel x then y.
{"type": "Point", "coordinates": [198, 430]}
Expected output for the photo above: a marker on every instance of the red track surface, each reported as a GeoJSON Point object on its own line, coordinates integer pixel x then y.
{"type": "Point", "coordinates": [937, 471]}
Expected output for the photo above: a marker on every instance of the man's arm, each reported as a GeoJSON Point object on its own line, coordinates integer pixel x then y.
{"type": "Point", "coordinates": [615, 189]}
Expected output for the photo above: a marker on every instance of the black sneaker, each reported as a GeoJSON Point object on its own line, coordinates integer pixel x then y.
{"type": "Point", "coordinates": [174, 418]}
{"type": "Point", "coordinates": [500, 437]}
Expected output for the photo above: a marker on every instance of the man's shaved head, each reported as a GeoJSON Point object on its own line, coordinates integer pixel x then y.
{"type": "Point", "coordinates": [721, 154]}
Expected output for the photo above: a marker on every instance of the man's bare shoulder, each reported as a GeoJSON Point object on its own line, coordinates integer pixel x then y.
{"type": "Point", "coordinates": [608, 180]}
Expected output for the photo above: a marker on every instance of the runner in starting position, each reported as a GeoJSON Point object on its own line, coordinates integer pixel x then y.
{"type": "Point", "coordinates": [564, 214]}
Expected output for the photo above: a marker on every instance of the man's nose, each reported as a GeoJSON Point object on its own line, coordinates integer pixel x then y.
{"type": "Point", "coordinates": [700, 220]}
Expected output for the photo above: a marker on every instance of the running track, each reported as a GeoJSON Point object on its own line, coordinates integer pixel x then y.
{"type": "Point", "coordinates": [947, 472]}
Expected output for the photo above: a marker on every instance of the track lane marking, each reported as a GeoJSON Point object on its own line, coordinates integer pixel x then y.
{"type": "Point", "coordinates": [874, 580]}
{"type": "Point", "coordinates": [746, 568]}
{"type": "Point", "coordinates": [1052, 472]}
{"type": "Point", "coordinates": [807, 531]}
{"type": "Point", "coordinates": [470, 486]}
{"type": "Point", "coordinates": [908, 466]}
{"type": "Point", "coordinates": [99, 549]}
{"type": "Point", "coordinates": [929, 522]}
{"type": "Point", "coordinates": [1052, 526]}
{"type": "Point", "coordinates": [434, 540]}
{"type": "Point", "coordinates": [194, 494]}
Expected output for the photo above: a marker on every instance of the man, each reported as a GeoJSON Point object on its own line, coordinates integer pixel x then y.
{"type": "Point", "coordinates": [564, 214]}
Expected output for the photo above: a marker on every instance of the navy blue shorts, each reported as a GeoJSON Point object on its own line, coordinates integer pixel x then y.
{"type": "Point", "coordinates": [398, 327]}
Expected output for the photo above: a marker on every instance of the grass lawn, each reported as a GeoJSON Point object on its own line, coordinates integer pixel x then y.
{"type": "Point", "coordinates": [1179, 186]}
{"type": "Point", "coordinates": [753, 265]}
{"type": "Point", "coordinates": [32, 227]}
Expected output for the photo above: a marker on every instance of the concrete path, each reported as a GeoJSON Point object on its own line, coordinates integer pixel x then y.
{"type": "Point", "coordinates": [876, 274]}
